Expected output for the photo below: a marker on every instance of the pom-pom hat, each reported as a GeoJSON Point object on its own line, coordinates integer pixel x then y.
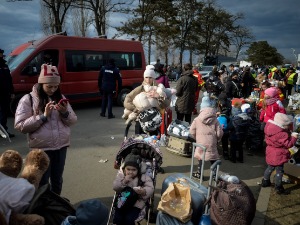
{"type": "Point", "coordinates": [149, 72]}
{"type": "Point", "coordinates": [272, 92]}
{"type": "Point", "coordinates": [206, 102]}
{"type": "Point", "coordinates": [49, 74]}
{"type": "Point", "coordinates": [283, 119]}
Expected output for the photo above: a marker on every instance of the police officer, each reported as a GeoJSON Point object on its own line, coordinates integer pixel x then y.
{"type": "Point", "coordinates": [6, 92]}
{"type": "Point", "coordinates": [107, 79]}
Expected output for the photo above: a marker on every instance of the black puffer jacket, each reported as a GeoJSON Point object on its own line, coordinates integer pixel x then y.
{"type": "Point", "coordinates": [6, 86]}
{"type": "Point", "coordinates": [186, 89]}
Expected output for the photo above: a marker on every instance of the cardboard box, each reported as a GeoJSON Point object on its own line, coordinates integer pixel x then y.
{"type": "Point", "coordinates": [180, 146]}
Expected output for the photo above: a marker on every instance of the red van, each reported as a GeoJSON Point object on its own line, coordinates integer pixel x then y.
{"type": "Point", "coordinates": [17, 51]}
{"type": "Point", "coordinates": [78, 60]}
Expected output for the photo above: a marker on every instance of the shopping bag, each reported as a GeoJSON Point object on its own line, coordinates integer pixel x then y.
{"type": "Point", "coordinates": [176, 201]}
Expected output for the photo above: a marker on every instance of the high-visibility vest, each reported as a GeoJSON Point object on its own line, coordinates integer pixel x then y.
{"type": "Point", "coordinates": [291, 78]}
{"type": "Point", "coordinates": [199, 78]}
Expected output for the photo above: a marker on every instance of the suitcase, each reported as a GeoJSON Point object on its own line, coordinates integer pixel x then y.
{"type": "Point", "coordinates": [166, 120]}
{"type": "Point", "coordinates": [198, 194]}
{"type": "Point", "coordinates": [165, 219]}
{"type": "Point", "coordinates": [180, 146]}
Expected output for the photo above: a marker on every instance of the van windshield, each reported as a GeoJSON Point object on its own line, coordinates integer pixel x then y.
{"type": "Point", "coordinates": [13, 64]}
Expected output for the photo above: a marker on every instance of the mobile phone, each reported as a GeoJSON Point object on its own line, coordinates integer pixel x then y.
{"type": "Point", "coordinates": [65, 100]}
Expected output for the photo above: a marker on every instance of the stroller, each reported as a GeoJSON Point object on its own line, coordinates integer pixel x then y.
{"type": "Point", "coordinates": [150, 154]}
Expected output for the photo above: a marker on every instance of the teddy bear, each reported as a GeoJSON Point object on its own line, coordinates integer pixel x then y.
{"type": "Point", "coordinates": [18, 187]}
{"type": "Point", "coordinates": [142, 102]}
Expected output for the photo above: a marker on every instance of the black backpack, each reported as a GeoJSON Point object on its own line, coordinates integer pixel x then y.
{"type": "Point", "coordinates": [51, 206]}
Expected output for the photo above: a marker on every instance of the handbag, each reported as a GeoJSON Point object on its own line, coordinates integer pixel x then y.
{"type": "Point", "coordinates": [126, 198]}
{"type": "Point", "coordinates": [176, 201]}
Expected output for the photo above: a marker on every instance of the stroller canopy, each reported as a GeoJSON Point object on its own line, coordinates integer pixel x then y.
{"type": "Point", "coordinates": [146, 150]}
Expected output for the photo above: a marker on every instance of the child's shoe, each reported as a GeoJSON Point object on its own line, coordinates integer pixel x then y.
{"type": "Point", "coordinates": [265, 183]}
{"type": "Point", "coordinates": [281, 191]}
{"type": "Point", "coordinates": [196, 175]}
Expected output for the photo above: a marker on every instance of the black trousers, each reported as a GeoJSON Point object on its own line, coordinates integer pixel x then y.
{"type": "Point", "coordinates": [236, 147]}
{"type": "Point", "coordinates": [186, 117]}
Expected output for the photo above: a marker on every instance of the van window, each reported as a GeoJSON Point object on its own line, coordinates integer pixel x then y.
{"type": "Point", "coordinates": [94, 60]}
{"type": "Point", "coordinates": [34, 66]}
{"type": "Point", "coordinates": [19, 59]}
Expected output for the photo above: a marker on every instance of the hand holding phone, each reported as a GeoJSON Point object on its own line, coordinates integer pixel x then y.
{"type": "Point", "coordinates": [63, 100]}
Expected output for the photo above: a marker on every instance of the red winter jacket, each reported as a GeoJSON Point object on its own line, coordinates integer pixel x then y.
{"type": "Point", "coordinates": [269, 112]}
{"type": "Point", "coordinates": [278, 142]}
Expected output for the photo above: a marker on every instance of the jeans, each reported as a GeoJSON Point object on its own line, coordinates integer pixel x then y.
{"type": "Point", "coordinates": [278, 176]}
{"type": "Point", "coordinates": [55, 169]}
{"type": "Point", "coordinates": [107, 102]}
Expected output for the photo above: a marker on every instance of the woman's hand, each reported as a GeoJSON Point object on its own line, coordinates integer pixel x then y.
{"type": "Point", "coordinates": [152, 94]}
{"type": "Point", "coordinates": [62, 107]}
{"type": "Point", "coordinates": [48, 108]}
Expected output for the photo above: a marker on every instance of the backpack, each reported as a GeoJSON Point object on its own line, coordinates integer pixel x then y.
{"type": "Point", "coordinates": [232, 204]}
{"type": "Point", "coordinates": [51, 206]}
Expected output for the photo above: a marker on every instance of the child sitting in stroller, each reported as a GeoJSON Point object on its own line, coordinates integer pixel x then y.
{"type": "Point", "coordinates": [142, 184]}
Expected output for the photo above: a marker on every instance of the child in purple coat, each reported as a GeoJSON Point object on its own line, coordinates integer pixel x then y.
{"type": "Point", "coordinates": [278, 139]}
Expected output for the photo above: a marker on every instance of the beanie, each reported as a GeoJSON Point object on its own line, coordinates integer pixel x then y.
{"type": "Point", "coordinates": [149, 72]}
{"type": "Point", "coordinates": [49, 74]}
{"type": "Point", "coordinates": [206, 102]}
{"type": "Point", "coordinates": [272, 92]}
{"type": "Point", "coordinates": [132, 160]}
{"type": "Point", "coordinates": [283, 119]}
{"type": "Point", "coordinates": [245, 108]}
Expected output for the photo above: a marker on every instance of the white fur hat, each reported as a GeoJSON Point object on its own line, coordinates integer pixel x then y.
{"type": "Point", "coordinates": [149, 72]}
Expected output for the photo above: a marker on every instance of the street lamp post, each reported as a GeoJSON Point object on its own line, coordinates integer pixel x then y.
{"type": "Point", "coordinates": [296, 58]}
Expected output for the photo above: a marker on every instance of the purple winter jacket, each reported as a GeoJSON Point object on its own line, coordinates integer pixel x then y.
{"type": "Point", "coordinates": [278, 141]}
{"type": "Point", "coordinates": [53, 134]}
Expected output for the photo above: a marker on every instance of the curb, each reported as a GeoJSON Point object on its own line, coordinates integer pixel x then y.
{"type": "Point", "coordinates": [262, 206]}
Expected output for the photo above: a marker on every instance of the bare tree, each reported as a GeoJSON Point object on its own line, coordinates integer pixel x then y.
{"type": "Point", "coordinates": [58, 10]}
{"type": "Point", "coordinates": [241, 37]}
{"type": "Point", "coordinates": [81, 20]}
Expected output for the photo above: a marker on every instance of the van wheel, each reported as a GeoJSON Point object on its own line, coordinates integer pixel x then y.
{"type": "Point", "coordinates": [122, 96]}
{"type": "Point", "coordinates": [14, 103]}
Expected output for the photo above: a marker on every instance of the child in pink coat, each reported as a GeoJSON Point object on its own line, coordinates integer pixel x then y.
{"type": "Point", "coordinates": [278, 139]}
{"type": "Point", "coordinates": [207, 131]}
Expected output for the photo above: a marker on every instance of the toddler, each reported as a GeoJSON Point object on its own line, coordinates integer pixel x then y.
{"type": "Point", "coordinates": [130, 176]}
{"type": "Point", "coordinates": [207, 131]}
{"type": "Point", "coordinates": [278, 139]}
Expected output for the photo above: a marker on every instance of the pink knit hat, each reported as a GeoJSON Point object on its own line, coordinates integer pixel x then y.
{"type": "Point", "coordinates": [272, 92]}
{"type": "Point", "coordinates": [283, 119]}
{"type": "Point", "coordinates": [49, 74]}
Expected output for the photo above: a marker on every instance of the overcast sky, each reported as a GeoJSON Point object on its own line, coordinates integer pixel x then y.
{"type": "Point", "coordinates": [276, 21]}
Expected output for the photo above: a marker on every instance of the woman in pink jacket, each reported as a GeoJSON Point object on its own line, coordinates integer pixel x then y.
{"type": "Point", "coordinates": [47, 122]}
{"type": "Point", "coordinates": [271, 105]}
{"type": "Point", "coordinates": [207, 131]}
{"type": "Point", "coordinates": [278, 139]}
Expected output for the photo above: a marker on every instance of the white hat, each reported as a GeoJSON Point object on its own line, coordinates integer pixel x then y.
{"type": "Point", "coordinates": [245, 107]}
{"type": "Point", "coordinates": [149, 72]}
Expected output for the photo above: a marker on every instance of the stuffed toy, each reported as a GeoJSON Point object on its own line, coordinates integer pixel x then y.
{"type": "Point", "coordinates": [18, 190]}
{"type": "Point", "coordinates": [142, 102]}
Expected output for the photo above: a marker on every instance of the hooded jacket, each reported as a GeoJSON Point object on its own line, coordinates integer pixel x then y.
{"type": "Point", "coordinates": [53, 134]}
{"type": "Point", "coordinates": [278, 141]}
{"type": "Point", "coordinates": [186, 87]}
{"type": "Point", "coordinates": [118, 186]}
{"type": "Point", "coordinates": [207, 131]}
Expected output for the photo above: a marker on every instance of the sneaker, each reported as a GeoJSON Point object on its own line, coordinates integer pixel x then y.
{"type": "Point", "coordinates": [265, 183]}
{"type": "Point", "coordinates": [281, 191]}
{"type": "Point", "coordinates": [196, 175]}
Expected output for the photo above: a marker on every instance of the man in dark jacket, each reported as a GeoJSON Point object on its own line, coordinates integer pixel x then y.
{"type": "Point", "coordinates": [233, 87]}
{"type": "Point", "coordinates": [6, 92]}
{"type": "Point", "coordinates": [186, 87]}
{"type": "Point", "coordinates": [107, 79]}
{"type": "Point", "coordinates": [213, 85]}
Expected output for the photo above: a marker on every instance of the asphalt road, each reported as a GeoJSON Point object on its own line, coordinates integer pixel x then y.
{"type": "Point", "coordinates": [95, 138]}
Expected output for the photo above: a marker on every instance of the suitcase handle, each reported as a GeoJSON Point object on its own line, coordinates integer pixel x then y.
{"type": "Point", "coordinates": [203, 160]}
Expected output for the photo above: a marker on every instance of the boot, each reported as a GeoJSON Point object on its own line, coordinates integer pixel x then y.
{"type": "Point", "coordinates": [281, 191]}
{"type": "Point", "coordinates": [265, 183]}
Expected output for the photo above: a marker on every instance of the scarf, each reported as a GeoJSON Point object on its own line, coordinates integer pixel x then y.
{"type": "Point", "coordinates": [271, 101]}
